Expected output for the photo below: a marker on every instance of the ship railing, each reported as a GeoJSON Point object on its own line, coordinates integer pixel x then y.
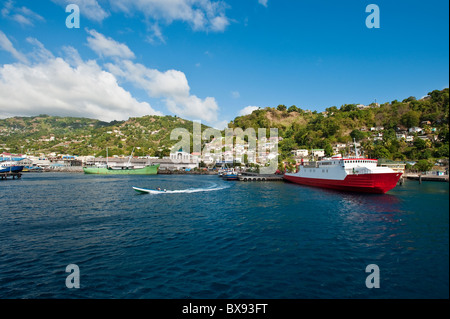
{"type": "Point", "coordinates": [355, 171]}
{"type": "Point", "coordinates": [311, 165]}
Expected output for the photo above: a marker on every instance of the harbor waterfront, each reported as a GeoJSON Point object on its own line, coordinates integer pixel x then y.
{"type": "Point", "coordinates": [218, 239]}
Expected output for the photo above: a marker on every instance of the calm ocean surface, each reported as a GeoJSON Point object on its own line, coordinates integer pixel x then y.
{"type": "Point", "coordinates": [219, 239]}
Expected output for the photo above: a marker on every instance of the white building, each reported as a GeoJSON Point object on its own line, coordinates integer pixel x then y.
{"type": "Point", "coordinates": [415, 130]}
{"type": "Point", "coordinates": [318, 152]}
{"type": "Point", "coordinates": [300, 153]}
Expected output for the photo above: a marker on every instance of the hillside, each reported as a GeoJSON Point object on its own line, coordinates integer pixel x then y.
{"type": "Point", "coordinates": [377, 127]}
{"type": "Point", "coordinates": [383, 130]}
{"type": "Point", "coordinates": [150, 135]}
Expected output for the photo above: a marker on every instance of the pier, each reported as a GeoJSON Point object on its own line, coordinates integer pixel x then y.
{"type": "Point", "coordinates": [4, 176]}
{"type": "Point", "coordinates": [422, 178]}
{"type": "Point", "coordinates": [249, 177]}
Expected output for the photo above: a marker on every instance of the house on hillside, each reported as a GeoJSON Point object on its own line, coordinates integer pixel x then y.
{"type": "Point", "coordinates": [300, 153]}
{"type": "Point", "coordinates": [318, 152]}
{"type": "Point", "coordinates": [415, 129]}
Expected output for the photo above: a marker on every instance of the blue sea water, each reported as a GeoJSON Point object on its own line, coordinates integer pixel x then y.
{"type": "Point", "coordinates": [219, 239]}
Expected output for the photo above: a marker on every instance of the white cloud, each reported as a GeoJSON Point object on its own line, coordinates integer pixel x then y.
{"type": "Point", "coordinates": [221, 125]}
{"type": "Point", "coordinates": [235, 94]}
{"type": "Point", "coordinates": [22, 15]}
{"type": "Point", "coordinates": [70, 86]}
{"type": "Point", "coordinates": [171, 85]}
{"type": "Point", "coordinates": [263, 2]}
{"type": "Point", "coordinates": [88, 8]}
{"type": "Point", "coordinates": [55, 87]}
{"type": "Point", "coordinates": [107, 47]}
{"type": "Point", "coordinates": [202, 15]}
{"type": "Point", "coordinates": [6, 45]}
{"type": "Point", "coordinates": [155, 34]}
{"type": "Point", "coordinates": [39, 53]}
{"type": "Point", "coordinates": [248, 110]}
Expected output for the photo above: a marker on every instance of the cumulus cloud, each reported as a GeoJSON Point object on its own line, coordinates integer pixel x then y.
{"type": "Point", "coordinates": [171, 85]}
{"type": "Point", "coordinates": [107, 47]}
{"type": "Point", "coordinates": [56, 87]}
{"type": "Point", "coordinates": [70, 86]}
{"type": "Point", "coordinates": [248, 110]}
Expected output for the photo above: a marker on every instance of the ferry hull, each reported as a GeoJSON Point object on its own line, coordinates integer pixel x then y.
{"type": "Point", "coordinates": [366, 183]}
{"type": "Point", "coordinates": [148, 170]}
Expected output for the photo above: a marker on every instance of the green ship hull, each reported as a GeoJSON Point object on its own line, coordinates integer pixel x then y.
{"type": "Point", "coordinates": [147, 170]}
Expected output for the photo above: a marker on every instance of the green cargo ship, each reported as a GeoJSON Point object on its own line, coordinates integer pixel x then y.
{"type": "Point", "coordinates": [147, 170]}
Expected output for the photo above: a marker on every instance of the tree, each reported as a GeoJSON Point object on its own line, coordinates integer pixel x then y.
{"type": "Point", "coordinates": [423, 165]}
{"type": "Point", "coordinates": [328, 150]}
{"type": "Point", "coordinates": [349, 107]}
{"type": "Point", "coordinates": [292, 108]}
{"type": "Point", "coordinates": [379, 151]}
{"type": "Point", "coordinates": [357, 135]}
{"type": "Point", "coordinates": [281, 107]}
{"type": "Point", "coordinates": [410, 99]}
{"type": "Point", "coordinates": [410, 119]}
{"type": "Point", "coordinates": [426, 154]}
{"type": "Point", "coordinates": [419, 143]}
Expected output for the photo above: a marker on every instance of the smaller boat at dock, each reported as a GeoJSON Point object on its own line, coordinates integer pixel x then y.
{"type": "Point", "coordinates": [10, 167]}
{"type": "Point", "coordinates": [230, 175]}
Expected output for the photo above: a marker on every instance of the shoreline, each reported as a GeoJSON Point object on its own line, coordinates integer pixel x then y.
{"type": "Point", "coordinates": [409, 176]}
{"type": "Point", "coordinates": [78, 169]}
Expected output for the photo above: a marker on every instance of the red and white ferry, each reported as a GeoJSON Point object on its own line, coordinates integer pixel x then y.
{"type": "Point", "coordinates": [349, 174]}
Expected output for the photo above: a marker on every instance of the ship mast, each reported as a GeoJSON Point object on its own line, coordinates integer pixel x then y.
{"type": "Point", "coordinates": [129, 159]}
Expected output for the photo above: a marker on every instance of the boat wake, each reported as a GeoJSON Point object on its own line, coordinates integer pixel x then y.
{"type": "Point", "coordinates": [212, 188]}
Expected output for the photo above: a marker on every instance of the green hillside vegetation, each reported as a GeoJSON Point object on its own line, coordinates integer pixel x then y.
{"type": "Point", "coordinates": [150, 135]}
{"type": "Point", "coordinates": [303, 129]}
{"type": "Point", "coordinates": [375, 127]}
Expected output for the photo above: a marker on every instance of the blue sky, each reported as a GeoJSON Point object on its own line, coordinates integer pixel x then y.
{"type": "Point", "coordinates": [212, 60]}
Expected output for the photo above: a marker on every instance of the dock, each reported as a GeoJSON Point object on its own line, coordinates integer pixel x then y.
{"type": "Point", "coordinates": [423, 178]}
{"type": "Point", "coordinates": [249, 177]}
{"type": "Point", "coordinates": [4, 176]}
